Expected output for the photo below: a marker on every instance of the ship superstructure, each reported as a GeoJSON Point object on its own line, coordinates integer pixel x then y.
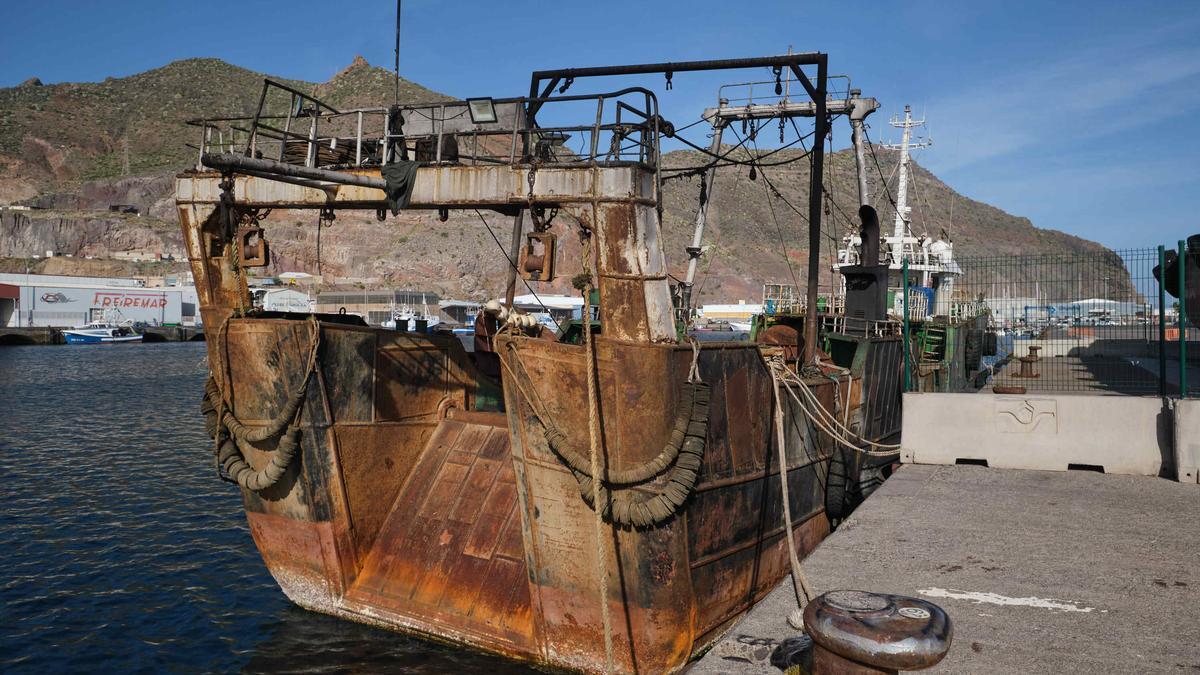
{"type": "Point", "coordinates": [930, 260]}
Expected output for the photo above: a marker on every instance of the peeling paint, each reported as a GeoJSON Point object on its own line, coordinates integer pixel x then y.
{"type": "Point", "coordinates": [979, 597]}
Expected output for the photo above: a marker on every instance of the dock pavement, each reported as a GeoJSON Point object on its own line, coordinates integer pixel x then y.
{"type": "Point", "coordinates": [1040, 571]}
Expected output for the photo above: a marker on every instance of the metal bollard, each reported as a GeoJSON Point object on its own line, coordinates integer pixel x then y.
{"type": "Point", "coordinates": [1027, 367]}
{"type": "Point", "coordinates": [862, 633]}
{"type": "Point", "coordinates": [1033, 351]}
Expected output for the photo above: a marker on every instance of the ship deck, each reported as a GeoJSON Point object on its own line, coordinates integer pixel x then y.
{"type": "Point", "coordinates": [1041, 572]}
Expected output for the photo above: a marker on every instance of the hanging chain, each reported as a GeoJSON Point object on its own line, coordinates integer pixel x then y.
{"type": "Point", "coordinates": [324, 219]}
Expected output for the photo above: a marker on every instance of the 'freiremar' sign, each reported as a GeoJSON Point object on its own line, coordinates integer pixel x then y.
{"type": "Point", "coordinates": [120, 300]}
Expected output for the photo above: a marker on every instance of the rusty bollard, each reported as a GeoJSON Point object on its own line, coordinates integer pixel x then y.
{"type": "Point", "coordinates": [861, 633]}
{"type": "Point", "coordinates": [1033, 351]}
{"type": "Point", "coordinates": [1027, 367]}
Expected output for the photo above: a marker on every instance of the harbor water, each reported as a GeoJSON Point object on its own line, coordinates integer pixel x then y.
{"type": "Point", "coordinates": [120, 549]}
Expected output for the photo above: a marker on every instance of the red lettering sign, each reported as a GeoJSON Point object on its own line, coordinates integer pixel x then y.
{"type": "Point", "coordinates": [130, 300]}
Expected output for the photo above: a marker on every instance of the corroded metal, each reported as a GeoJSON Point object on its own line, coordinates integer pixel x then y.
{"type": "Point", "coordinates": [422, 503]}
{"type": "Point", "coordinates": [856, 632]}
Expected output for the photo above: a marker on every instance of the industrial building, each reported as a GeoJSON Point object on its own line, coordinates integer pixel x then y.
{"type": "Point", "coordinates": [376, 306]}
{"type": "Point", "coordinates": [32, 300]}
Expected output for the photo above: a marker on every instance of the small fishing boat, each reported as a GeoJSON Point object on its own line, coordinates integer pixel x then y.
{"type": "Point", "coordinates": [99, 332]}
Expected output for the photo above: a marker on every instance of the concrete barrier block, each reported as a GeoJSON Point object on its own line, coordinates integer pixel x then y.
{"type": "Point", "coordinates": [1052, 432]}
{"type": "Point", "coordinates": [1187, 441]}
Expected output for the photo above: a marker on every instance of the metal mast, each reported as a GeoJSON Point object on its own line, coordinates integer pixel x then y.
{"type": "Point", "coordinates": [900, 229]}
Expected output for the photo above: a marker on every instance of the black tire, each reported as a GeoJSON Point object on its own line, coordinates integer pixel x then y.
{"type": "Point", "coordinates": [842, 492]}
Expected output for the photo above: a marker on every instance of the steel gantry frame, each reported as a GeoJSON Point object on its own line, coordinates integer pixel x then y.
{"type": "Point", "coordinates": [544, 82]}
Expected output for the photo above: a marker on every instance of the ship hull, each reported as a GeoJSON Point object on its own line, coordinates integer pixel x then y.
{"type": "Point", "coordinates": [410, 510]}
{"type": "Point", "coordinates": [73, 338]}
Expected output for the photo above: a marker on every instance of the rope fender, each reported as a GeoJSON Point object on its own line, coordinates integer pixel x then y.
{"type": "Point", "coordinates": [683, 454]}
{"type": "Point", "coordinates": [649, 510]}
{"type": "Point", "coordinates": [231, 450]}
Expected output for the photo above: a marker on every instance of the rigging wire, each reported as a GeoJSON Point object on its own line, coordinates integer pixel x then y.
{"type": "Point", "coordinates": [850, 221]}
{"type": "Point", "coordinates": [798, 212]}
{"type": "Point", "coordinates": [513, 264]}
{"type": "Point", "coordinates": [725, 157]}
{"type": "Point", "coordinates": [875, 158]}
{"type": "Point", "coordinates": [737, 178]}
{"type": "Point", "coordinates": [928, 208]}
{"type": "Point", "coordinates": [771, 205]}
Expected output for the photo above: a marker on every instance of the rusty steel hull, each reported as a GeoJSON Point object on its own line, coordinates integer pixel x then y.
{"type": "Point", "coordinates": [409, 510]}
{"type": "Point", "coordinates": [415, 507]}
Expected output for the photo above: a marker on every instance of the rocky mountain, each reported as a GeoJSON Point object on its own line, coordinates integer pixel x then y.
{"type": "Point", "coordinates": [75, 150]}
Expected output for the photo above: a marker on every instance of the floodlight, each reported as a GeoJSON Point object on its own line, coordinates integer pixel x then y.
{"type": "Point", "coordinates": [483, 110]}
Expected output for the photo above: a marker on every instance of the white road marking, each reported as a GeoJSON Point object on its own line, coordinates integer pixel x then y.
{"type": "Point", "coordinates": [996, 599]}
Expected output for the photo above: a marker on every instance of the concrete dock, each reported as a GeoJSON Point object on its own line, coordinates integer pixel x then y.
{"type": "Point", "coordinates": [1040, 571]}
{"type": "Point", "coordinates": [46, 335]}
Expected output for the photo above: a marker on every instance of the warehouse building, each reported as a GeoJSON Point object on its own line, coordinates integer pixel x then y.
{"type": "Point", "coordinates": [31, 300]}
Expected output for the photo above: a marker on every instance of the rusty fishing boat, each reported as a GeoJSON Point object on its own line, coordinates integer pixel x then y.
{"type": "Point", "coordinates": [398, 479]}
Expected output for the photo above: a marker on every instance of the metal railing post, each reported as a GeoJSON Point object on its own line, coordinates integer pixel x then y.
{"type": "Point", "coordinates": [358, 141]}
{"type": "Point", "coordinates": [441, 122]}
{"type": "Point", "coordinates": [907, 336]}
{"type": "Point", "coordinates": [1183, 384]}
{"type": "Point", "coordinates": [595, 149]}
{"type": "Point", "coordinates": [310, 158]}
{"type": "Point", "coordinates": [203, 145]}
{"type": "Point", "coordinates": [287, 129]}
{"type": "Point", "coordinates": [1162, 321]}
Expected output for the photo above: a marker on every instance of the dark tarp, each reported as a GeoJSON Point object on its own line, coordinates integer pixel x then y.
{"type": "Point", "coordinates": [400, 177]}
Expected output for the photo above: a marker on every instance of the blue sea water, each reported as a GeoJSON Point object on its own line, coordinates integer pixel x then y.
{"type": "Point", "coordinates": [120, 549]}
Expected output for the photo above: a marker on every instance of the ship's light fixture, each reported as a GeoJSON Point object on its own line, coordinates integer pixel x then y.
{"type": "Point", "coordinates": [483, 110]}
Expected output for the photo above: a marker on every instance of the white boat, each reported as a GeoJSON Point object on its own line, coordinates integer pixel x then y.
{"type": "Point", "coordinates": [405, 319]}
{"type": "Point", "coordinates": [100, 332]}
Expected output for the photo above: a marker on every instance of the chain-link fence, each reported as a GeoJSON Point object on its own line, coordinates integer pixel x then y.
{"type": "Point", "coordinates": [1092, 322]}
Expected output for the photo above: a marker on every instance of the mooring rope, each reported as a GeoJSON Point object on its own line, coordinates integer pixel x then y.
{"type": "Point", "coordinates": [800, 585]}
{"type": "Point", "coordinates": [594, 435]}
{"type": "Point", "coordinates": [824, 420]}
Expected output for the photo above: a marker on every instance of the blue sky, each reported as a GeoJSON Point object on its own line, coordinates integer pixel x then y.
{"type": "Point", "coordinates": [1082, 116]}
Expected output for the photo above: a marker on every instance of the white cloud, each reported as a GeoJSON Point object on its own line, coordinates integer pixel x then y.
{"type": "Point", "coordinates": [1118, 85]}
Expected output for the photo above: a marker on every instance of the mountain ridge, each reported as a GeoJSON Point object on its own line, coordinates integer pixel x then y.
{"type": "Point", "coordinates": [76, 148]}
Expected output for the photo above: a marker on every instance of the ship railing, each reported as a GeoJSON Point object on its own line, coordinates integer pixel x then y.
{"type": "Point", "coordinates": [859, 327]}
{"type": "Point", "coordinates": [763, 93]}
{"type": "Point", "coordinates": [785, 299]}
{"type": "Point", "coordinates": [294, 127]}
{"type": "Point", "coordinates": [960, 310]}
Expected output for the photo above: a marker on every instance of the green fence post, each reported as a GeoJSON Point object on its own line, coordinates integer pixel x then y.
{"type": "Point", "coordinates": [906, 328]}
{"type": "Point", "coordinates": [1162, 321]}
{"type": "Point", "coordinates": [1183, 385]}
